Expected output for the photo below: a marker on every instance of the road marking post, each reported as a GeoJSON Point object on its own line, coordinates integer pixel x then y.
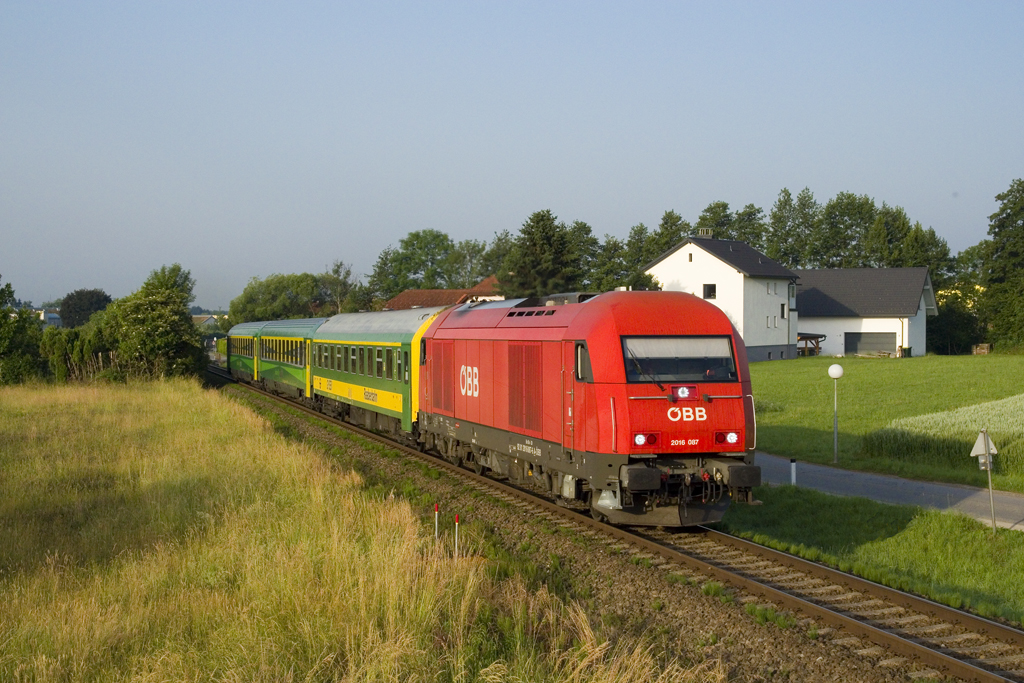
{"type": "Point", "coordinates": [792, 471]}
{"type": "Point", "coordinates": [983, 450]}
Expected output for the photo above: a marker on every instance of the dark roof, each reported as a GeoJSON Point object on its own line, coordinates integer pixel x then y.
{"type": "Point", "coordinates": [863, 292]}
{"type": "Point", "coordinates": [739, 255]}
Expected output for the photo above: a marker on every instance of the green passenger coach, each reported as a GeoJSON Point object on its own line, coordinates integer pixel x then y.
{"type": "Point", "coordinates": [284, 360]}
{"type": "Point", "coordinates": [243, 340]}
{"type": "Point", "coordinates": [365, 367]}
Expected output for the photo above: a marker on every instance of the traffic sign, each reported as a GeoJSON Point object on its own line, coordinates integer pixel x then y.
{"type": "Point", "coordinates": [984, 445]}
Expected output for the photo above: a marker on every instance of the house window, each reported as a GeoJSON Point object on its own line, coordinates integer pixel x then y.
{"type": "Point", "coordinates": [769, 287]}
{"type": "Point", "coordinates": [776, 321]}
{"type": "Point", "coordinates": [691, 257]}
{"type": "Point", "coordinates": [782, 311]}
{"type": "Point", "coordinates": [710, 291]}
{"type": "Point", "coordinates": [776, 287]}
{"type": "Point", "coordinates": [767, 321]}
{"type": "Point", "coordinates": [769, 355]}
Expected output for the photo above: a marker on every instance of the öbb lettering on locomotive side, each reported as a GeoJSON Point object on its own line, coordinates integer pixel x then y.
{"type": "Point", "coordinates": [636, 403]}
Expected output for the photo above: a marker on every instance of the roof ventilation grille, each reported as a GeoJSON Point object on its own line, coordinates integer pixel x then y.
{"type": "Point", "coordinates": [705, 232]}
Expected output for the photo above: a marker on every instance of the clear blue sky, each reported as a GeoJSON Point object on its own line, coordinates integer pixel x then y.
{"type": "Point", "coordinates": [243, 139]}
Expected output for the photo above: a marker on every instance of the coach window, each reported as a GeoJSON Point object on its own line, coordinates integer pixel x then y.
{"type": "Point", "coordinates": [405, 357]}
{"type": "Point", "coordinates": [389, 363]}
{"type": "Point", "coordinates": [352, 359]}
{"type": "Point", "coordinates": [362, 357]}
{"type": "Point", "coordinates": [379, 370]}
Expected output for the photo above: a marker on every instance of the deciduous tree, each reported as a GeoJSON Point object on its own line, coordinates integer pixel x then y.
{"type": "Point", "coordinates": [152, 328]}
{"type": "Point", "coordinates": [79, 305]}
{"type": "Point", "coordinates": [279, 297]}
{"type": "Point", "coordinates": [19, 340]}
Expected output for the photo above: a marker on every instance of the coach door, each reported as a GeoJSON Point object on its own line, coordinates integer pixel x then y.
{"type": "Point", "coordinates": [309, 368]}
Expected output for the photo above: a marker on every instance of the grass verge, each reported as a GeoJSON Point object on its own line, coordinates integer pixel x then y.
{"type": "Point", "coordinates": [944, 556]}
{"type": "Point", "coordinates": [795, 406]}
{"type": "Point", "coordinates": [162, 532]}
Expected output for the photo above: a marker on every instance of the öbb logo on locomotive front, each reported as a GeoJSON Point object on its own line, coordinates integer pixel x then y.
{"type": "Point", "coordinates": [687, 414]}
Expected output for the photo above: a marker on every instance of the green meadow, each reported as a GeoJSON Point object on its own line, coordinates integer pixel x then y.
{"type": "Point", "coordinates": [944, 556]}
{"type": "Point", "coordinates": [915, 417]}
{"type": "Point", "coordinates": [163, 532]}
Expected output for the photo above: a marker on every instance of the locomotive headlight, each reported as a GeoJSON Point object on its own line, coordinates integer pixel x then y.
{"type": "Point", "coordinates": [640, 439]}
{"type": "Point", "coordinates": [727, 437]}
{"type": "Point", "coordinates": [685, 393]}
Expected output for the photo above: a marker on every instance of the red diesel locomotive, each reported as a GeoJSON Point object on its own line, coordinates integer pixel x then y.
{"type": "Point", "coordinates": [638, 402]}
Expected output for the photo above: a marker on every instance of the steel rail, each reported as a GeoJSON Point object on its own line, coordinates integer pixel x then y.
{"type": "Point", "coordinates": [912, 602]}
{"type": "Point", "coordinates": [903, 646]}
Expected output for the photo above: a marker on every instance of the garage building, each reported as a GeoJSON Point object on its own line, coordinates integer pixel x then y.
{"type": "Point", "coordinates": [866, 311]}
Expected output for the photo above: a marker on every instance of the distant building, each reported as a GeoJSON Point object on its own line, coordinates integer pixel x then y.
{"type": "Point", "coordinates": [49, 317]}
{"type": "Point", "coordinates": [866, 311]}
{"type": "Point", "coordinates": [486, 290]}
{"type": "Point", "coordinates": [207, 324]}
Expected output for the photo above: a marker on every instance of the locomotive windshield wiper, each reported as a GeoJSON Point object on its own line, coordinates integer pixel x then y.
{"type": "Point", "coordinates": [640, 369]}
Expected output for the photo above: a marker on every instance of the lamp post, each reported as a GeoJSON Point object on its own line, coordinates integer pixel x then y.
{"type": "Point", "coordinates": [835, 371]}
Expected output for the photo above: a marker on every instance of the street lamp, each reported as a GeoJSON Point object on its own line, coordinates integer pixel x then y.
{"type": "Point", "coordinates": [835, 371]}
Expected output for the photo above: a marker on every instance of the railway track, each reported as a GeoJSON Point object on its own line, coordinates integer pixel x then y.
{"type": "Point", "coordinates": [893, 627]}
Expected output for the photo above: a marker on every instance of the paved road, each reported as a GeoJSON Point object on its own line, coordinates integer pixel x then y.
{"type": "Point", "coordinates": [885, 488]}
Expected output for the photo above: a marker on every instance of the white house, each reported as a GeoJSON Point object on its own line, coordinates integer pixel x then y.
{"type": "Point", "coordinates": [866, 310]}
{"type": "Point", "coordinates": [756, 292]}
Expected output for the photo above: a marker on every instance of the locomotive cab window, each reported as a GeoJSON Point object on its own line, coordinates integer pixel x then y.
{"type": "Point", "coordinates": [583, 370]}
{"type": "Point", "coordinates": [678, 359]}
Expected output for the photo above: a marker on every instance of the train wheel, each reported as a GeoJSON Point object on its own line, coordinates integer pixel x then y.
{"type": "Point", "coordinates": [478, 467]}
{"type": "Point", "coordinates": [595, 513]}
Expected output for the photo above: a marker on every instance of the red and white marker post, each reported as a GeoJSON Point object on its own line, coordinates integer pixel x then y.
{"type": "Point", "coordinates": [435, 521]}
{"type": "Point", "coordinates": [456, 535]}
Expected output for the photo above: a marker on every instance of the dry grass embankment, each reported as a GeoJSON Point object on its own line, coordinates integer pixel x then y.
{"type": "Point", "coordinates": [160, 532]}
